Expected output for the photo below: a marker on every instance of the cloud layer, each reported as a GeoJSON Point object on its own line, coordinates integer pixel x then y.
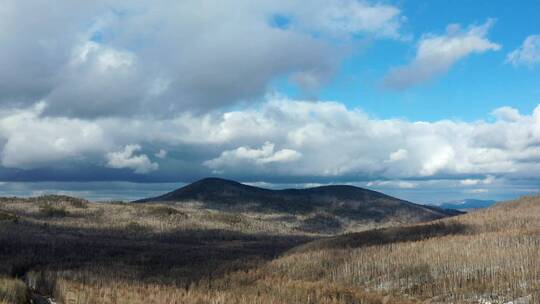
{"type": "Point", "coordinates": [282, 138]}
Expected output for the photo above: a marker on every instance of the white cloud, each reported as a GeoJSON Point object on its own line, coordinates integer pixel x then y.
{"type": "Point", "coordinates": [126, 158]}
{"type": "Point", "coordinates": [29, 141]}
{"type": "Point", "coordinates": [265, 155]}
{"type": "Point", "coordinates": [106, 58]}
{"type": "Point", "coordinates": [439, 159]}
{"type": "Point", "coordinates": [335, 141]}
{"type": "Point", "coordinates": [507, 114]}
{"type": "Point", "coordinates": [528, 54]}
{"type": "Point", "coordinates": [435, 55]}
{"type": "Point", "coordinates": [349, 17]}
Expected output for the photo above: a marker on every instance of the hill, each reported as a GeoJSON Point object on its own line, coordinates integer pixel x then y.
{"type": "Point", "coordinates": [344, 201]}
{"type": "Point", "coordinates": [489, 256]}
{"type": "Point", "coordinates": [84, 252]}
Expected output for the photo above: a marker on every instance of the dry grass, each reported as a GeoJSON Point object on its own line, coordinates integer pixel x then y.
{"type": "Point", "coordinates": [496, 257]}
{"type": "Point", "coordinates": [165, 218]}
{"type": "Point", "coordinates": [158, 218]}
{"type": "Point", "coordinates": [490, 255]}
{"type": "Point", "coordinates": [13, 291]}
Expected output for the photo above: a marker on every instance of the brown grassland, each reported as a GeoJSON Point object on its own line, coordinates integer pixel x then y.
{"type": "Point", "coordinates": [81, 252]}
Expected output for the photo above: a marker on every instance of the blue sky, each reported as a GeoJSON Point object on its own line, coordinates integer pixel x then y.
{"type": "Point", "coordinates": [469, 91]}
{"type": "Point", "coordinates": [426, 100]}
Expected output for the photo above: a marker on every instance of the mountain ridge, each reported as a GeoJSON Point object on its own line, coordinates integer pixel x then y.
{"type": "Point", "coordinates": [467, 204]}
{"type": "Point", "coordinates": [340, 200]}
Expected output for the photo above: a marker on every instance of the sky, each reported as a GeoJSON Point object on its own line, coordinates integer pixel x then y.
{"type": "Point", "coordinates": [430, 101]}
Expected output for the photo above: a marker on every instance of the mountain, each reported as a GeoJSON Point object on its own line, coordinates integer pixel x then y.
{"type": "Point", "coordinates": [467, 204]}
{"type": "Point", "coordinates": [343, 201]}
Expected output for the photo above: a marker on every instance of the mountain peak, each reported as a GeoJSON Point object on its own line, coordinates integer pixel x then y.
{"type": "Point", "coordinates": [340, 200]}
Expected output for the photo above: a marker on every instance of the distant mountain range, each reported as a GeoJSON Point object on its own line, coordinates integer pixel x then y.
{"type": "Point", "coordinates": [467, 204]}
{"type": "Point", "coordinates": [343, 201]}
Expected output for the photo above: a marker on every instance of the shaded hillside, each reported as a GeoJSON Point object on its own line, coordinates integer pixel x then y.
{"type": "Point", "coordinates": [384, 236]}
{"type": "Point", "coordinates": [165, 246]}
{"type": "Point", "coordinates": [341, 200]}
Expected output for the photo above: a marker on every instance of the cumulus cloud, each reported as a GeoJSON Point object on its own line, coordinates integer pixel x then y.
{"type": "Point", "coordinates": [236, 158]}
{"type": "Point", "coordinates": [528, 54]}
{"type": "Point", "coordinates": [30, 141]}
{"type": "Point", "coordinates": [135, 58]}
{"type": "Point", "coordinates": [335, 142]}
{"type": "Point", "coordinates": [507, 114]}
{"type": "Point", "coordinates": [488, 180]}
{"type": "Point", "coordinates": [436, 54]}
{"type": "Point", "coordinates": [126, 158]}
